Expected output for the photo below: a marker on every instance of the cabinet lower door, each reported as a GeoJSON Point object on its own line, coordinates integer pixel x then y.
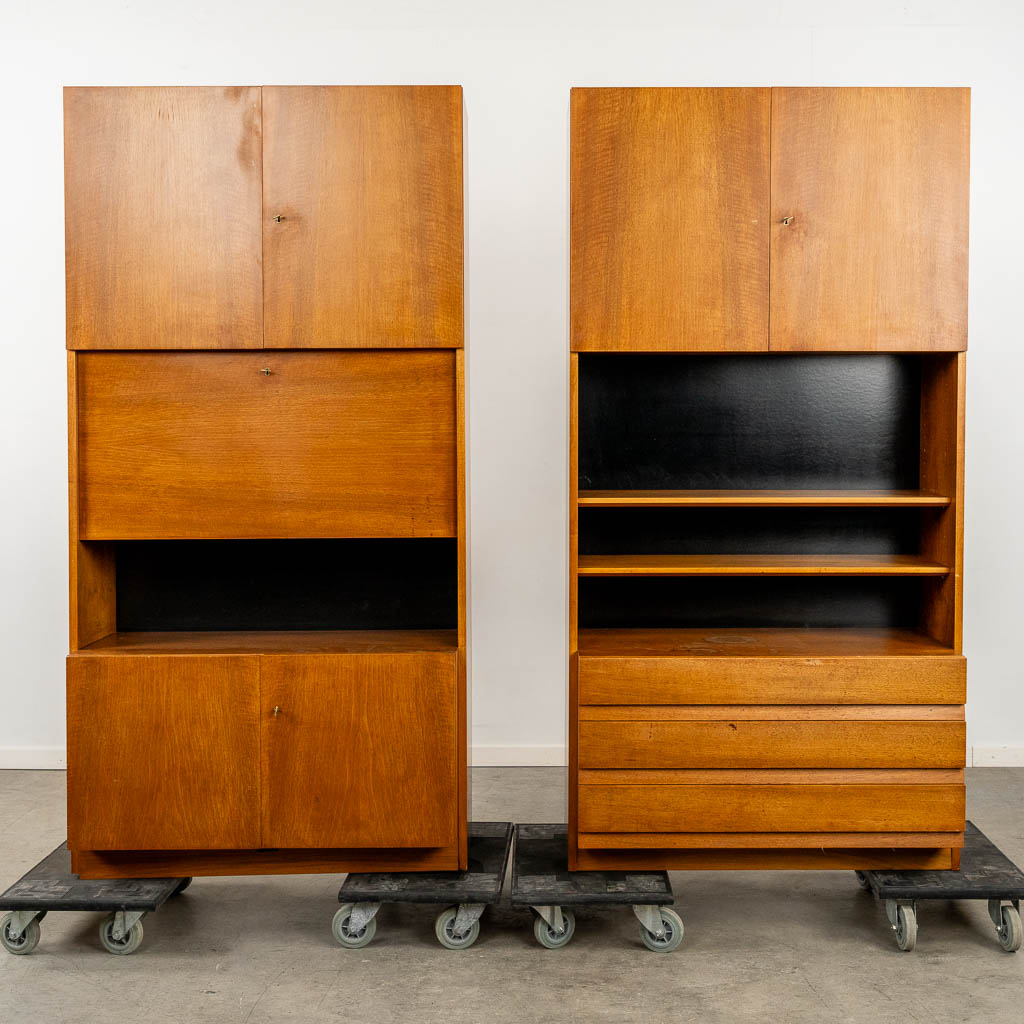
{"type": "Point", "coordinates": [163, 752]}
{"type": "Point", "coordinates": [359, 750]}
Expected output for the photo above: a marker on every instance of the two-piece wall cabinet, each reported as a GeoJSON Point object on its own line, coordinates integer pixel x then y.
{"type": "Point", "coordinates": [768, 325]}
{"type": "Point", "coordinates": [266, 468]}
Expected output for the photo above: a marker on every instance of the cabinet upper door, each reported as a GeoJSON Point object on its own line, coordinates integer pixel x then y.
{"type": "Point", "coordinates": [874, 184]}
{"type": "Point", "coordinates": [669, 207]}
{"type": "Point", "coordinates": [362, 207]}
{"type": "Point", "coordinates": [162, 218]}
{"type": "Point", "coordinates": [359, 750]}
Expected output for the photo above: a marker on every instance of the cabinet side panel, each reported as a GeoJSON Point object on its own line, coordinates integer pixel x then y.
{"type": "Point", "coordinates": [162, 217]}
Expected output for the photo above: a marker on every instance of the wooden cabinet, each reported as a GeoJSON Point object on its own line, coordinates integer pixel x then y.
{"type": "Point", "coordinates": [856, 199]}
{"type": "Point", "coordinates": [267, 548]}
{"type": "Point", "coordinates": [163, 752]}
{"type": "Point", "coordinates": [359, 750]}
{"type": "Point", "coordinates": [162, 199]}
{"type": "Point", "coordinates": [362, 217]}
{"type": "Point", "coordinates": [869, 219]}
{"type": "Point", "coordinates": [766, 507]}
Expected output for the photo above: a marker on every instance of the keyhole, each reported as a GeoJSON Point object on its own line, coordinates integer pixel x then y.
{"type": "Point", "coordinates": [265, 371]}
{"type": "Point", "coordinates": [277, 710]}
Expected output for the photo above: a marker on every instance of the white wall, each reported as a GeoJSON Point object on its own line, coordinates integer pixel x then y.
{"type": "Point", "coordinates": [516, 62]}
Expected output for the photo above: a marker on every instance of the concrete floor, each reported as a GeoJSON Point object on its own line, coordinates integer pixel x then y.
{"type": "Point", "coordinates": [771, 946]}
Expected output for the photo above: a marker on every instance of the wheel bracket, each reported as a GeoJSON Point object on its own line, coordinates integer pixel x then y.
{"type": "Point", "coordinates": [553, 916]}
{"type": "Point", "coordinates": [995, 910]}
{"type": "Point", "coordinates": [362, 914]}
{"type": "Point", "coordinates": [465, 917]}
{"type": "Point", "coordinates": [892, 910]}
{"type": "Point", "coordinates": [124, 922]}
{"type": "Point", "coordinates": [649, 915]}
{"type": "Point", "coordinates": [20, 920]}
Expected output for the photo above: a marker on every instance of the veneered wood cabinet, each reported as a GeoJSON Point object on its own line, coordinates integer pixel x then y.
{"type": "Point", "coordinates": [267, 548]}
{"type": "Point", "coordinates": [766, 483]}
{"type": "Point", "coordinates": [789, 219]}
{"type": "Point", "coordinates": [278, 217]}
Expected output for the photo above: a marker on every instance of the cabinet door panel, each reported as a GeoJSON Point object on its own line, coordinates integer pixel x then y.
{"type": "Point", "coordinates": [163, 752]}
{"type": "Point", "coordinates": [669, 201]}
{"type": "Point", "coordinates": [362, 205]}
{"type": "Point", "coordinates": [162, 218]}
{"type": "Point", "coordinates": [875, 183]}
{"type": "Point", "coordinates": [206, 445]}
{"type": "Point", "coordinates": [361, 751]}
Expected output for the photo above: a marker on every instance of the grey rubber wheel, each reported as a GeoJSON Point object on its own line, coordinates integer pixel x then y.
{"type": "Point", "coordinates": [443, 929]}
{"type": "Point", "coordinates": [25, 942]}
{"type": "Point", "coordinates": [548, 937]}
{"type": "Point", "coordinates": [673, 925]}
{"type": "Point", "coordinates": [862, 880]}
{"type": "Point", "coordinates": [182, 886]}
{"type": "Point", "coordinates": [906, 928]}
{"type": "Point", "coordinates": [346, 936]}
{"type": "Point", "coordinates": [1009, 931]}
{"type": "Point", "coordinates": [128, 943]}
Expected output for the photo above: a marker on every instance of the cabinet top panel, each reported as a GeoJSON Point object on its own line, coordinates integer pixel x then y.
{"type": "Point", "coordinates": [669, 219]}
{"type": "Point", "coordinates": [162, 217]}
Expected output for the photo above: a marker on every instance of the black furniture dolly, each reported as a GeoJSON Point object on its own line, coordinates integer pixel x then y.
{"type": "Point", "coordinates": [986, 873]}
{"type": "Point", "coordinates": [542, 882]}
{"type": "Point", "coordinates": [50, 885]}
{"type": "Point", "coordinates": [465, 894]}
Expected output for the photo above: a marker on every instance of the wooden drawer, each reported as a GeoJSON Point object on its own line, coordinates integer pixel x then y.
{"type": "Point", "coordinates": [768, 808]}
{"type": "Point", "coordinates": [163, 752]}
{"type": "Point", "coordinates": [206, 445]}
{"type": "Point", "coordinates": [361, 752]}
{"type": "Point", "coordinates": [771, 744]}
{"type": "Point", "coordinates": [938, 679]}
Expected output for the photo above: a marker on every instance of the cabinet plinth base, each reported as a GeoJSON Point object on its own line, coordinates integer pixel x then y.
{"type": "Point", "coordinates": [195, 863]}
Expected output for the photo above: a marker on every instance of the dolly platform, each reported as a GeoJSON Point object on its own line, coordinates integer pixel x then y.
{"type": "Point", "coordinates": [466, 893]}
{"type": "Point", "coordinates": [50, 885]}
{"type": "Point", "coordinates": [986, 873]}
{"type": "Point", "coordinates": [541, 881]}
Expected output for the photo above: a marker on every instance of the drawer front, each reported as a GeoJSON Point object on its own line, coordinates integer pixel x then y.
{"type": "Point", "coordinates": [940, 679]}
{"type": "Point", "coordinates": [163, 752]}
{"type": "Point", "coordinates": [207, 445]}
{"type": "Point", "coordinates": [771, 744]}
{"type": "Point", "coordinates": [361, 751]}
{"type": "Point", "coordinates": [779, 808]}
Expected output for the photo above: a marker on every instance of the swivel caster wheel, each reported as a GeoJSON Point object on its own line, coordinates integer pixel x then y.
{"type": "Point", "coordinates": [444, 929]}
{"type": "Point", "coordinates": [905, 926]}
{"type": "Point", "coordinates": [120, 943]}
{"type": "Point", "coordinates": [671, 936]}
{"type": "Point", "coordinates": [26, 940]}
{"type": "Point", "coordinates": [1008, 930]}
{"type": "Point", "coordinates": [352, 936]}
{"type": "Point", "coordinates": [862, 881]}
{"type": "Point", "coordinates": [549, 937]}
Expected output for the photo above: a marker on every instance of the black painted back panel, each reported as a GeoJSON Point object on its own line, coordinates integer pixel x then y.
{"type": "Point", "coordinates": [287, 584]}
{"type": "Point", "coordinates": [748, 421]}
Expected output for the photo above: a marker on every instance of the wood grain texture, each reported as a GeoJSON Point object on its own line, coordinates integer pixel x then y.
{"type": "Point", "coordinates": [875, 182]}
{"type": "Point", "coordinates": [367, 183]}
{"type": "Point", "coordinates": [669, 245]}
{"type": "Point", "coordinates": [768, 840]}
{"type": "Point", "coordinates": [204, 445]}
{"type": "Point", "coordinates": [162, 196]}
{"type": "Point", "coordinates": [816, 858]}
{"type": "Point", "coordinates": [773, 713]}
{"type": "Point", "coordinates": [463, 689]}
{"type": "Point", "coordinates": [771, 744]}
{"type": "Point", "coordinates": [943, 395]}
{"type": "Point", "coordinates": [573, 595]}
{"type": "Point", "coordinates": [362, 751]}
{"type": "Point", "coordinates": [183, 863]}
{"type": "Point", "coordinates": [790, 808]}
{"type": "Point", "coordinates": [163, 752]}
{"type": "Point", "coordinates": [759, 565]}
{"type": "Point", "coordinates": [762, 499]}
{"type": "Point", "coordinates": [771, 776]}
{"type": "Point", "coordinates": [269, 641]}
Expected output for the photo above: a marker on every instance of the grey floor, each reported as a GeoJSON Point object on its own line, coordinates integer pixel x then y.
{"type": "Point", "coordinates": [772, 946]}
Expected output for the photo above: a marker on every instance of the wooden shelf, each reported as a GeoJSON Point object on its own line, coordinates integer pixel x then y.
{"type": "Point", "coordinates": [367, 641]}
{"type": "Point", "coordinates": [741, 642]}
{"type": "Point", "coordinates": [761, 499]}
{"type": "Point", "coordinates": [759, 565]}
